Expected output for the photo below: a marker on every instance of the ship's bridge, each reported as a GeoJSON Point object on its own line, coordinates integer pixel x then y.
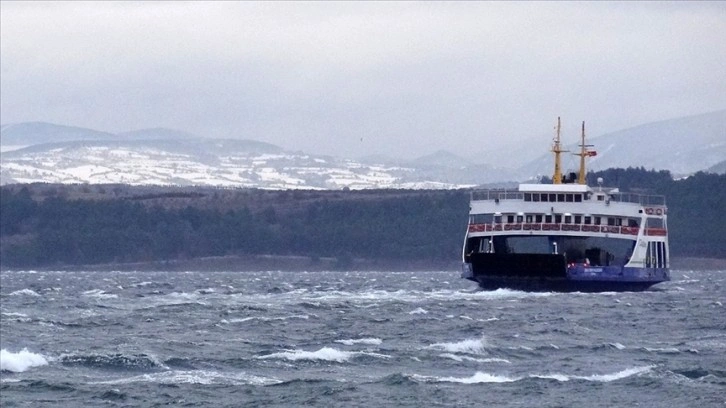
{"type": "Point", "coordinates": [566, 193]}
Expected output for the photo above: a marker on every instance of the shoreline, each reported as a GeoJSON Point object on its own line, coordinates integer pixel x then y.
{"type": "Point", "coordinates": [261, 263]}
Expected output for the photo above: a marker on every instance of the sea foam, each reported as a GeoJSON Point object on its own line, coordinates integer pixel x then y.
{"type": "Point", "coordinates": [480, 377]}
{"type": "Point", "coordinates": [324, 354]}
{"type": "Point", "coordinates": [470, 346]}
{"type": "Point", "coordinates": [368, 341]}
{"type": "Point", "coordinates": [20, 361]}
{"type": "Point", "coordinates": [26, 292]}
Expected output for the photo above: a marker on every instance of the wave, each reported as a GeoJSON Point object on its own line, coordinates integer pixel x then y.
{"type": "Point", "coordinates": [195, 377]}
{"type": "Point", "coordinates": [480, 377]}
{"type": "Point", "coordinates": [478, 360]}
{"type": "Point", "coordinates": [662, 350]}
{"type": "Point", "coordinates": [114, 361]}
{"type": "Point", "coordinates": [20, 361]}
{"type": "Point", "coordinates": [324, 354]}
{"type": "Point", "coordinates": [469, 346]}
{"type": "Point", "coordinates": [420, 310]}
{"type": "Point", "coordinates": [24, 292]}
{"type": "Point", "coordinates": [264, 319]}
{"type": "Point", "coordinates": [368, 341]}
{"type": "Point", "coordinates": [99, 294]}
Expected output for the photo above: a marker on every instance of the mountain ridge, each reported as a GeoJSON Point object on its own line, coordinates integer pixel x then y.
{"type": "Point", "coordinates": [67, 154]}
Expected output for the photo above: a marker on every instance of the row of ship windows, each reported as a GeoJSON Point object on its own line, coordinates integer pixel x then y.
{"type": "Point", "coordinates": [562, 219]}
{"type": "Point", "coordinates": [559, 197]}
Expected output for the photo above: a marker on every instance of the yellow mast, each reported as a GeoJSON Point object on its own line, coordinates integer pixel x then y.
{"type": "Point", "coordinates": [557, 149]}
{"type": "Point", "coordinates": [583, 153]}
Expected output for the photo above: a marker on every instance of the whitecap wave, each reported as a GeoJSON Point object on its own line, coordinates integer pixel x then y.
{"type": "Point", "coordinates": [477, 378]}
{"type": "Point", "coordinates": [662, 350]}
{"type": "Point", "coordinates": [266, 319]}
{"type": "Point", "coordinates": [420, 310]}
{"type": "Point", "coordinates": [196, 377]}
{"type": "Point", "coordinates": [478, 360]}
{"type": "Point", "coordinates": [368, 341]}
{"type": "Point", "coordinates": [470, 346]}
{"type": "Point", "coordinates": [324, 354]}
{"type": "Point", "coordinates": [99, 294]}
{"type": "Point", "coordinates": [615, 376]}
{"type": "Point", "coordinates": [480, 377]}
{"type": "Point", "coordinates": [24, 292]}
{"type": "Point", "coordinates": [20, 361]}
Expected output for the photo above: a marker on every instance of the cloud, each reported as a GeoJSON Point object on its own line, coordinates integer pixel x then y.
{"type": "Point", "coordinates": [349, 78]}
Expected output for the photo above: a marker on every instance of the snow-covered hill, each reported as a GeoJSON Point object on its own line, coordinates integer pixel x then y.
{"type": "Point", "coordinates": [234, 163]}
{"type": "Point", "coordinates": [43, 152]}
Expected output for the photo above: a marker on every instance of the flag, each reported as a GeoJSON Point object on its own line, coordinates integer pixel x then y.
{"type": "Point", "coordinates": [591, 153]}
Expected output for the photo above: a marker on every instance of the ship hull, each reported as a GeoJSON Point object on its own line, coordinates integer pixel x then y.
{"type": "Point", "coordinates": [542, 272]}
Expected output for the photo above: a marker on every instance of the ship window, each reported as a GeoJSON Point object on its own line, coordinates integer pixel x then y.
{"type": "Point", "coordinates": [588, 220]}
{"type": "Point", "coordinates": [520, 218]}
{"type": "Point", "coordinates": [569, 198]}
{"type": "Point", "coordinates": [558, 219]}
{"type": "Point", "coordinates": [481, 218]}
{"type": "Point", "coordinates": [561, 197]}
{"type": "Point", "coordinates": [578, 198]}
{"type": "Point", "coordinates": [535, 197]}
{"type": "Point", "coordinates": [545, 197]}
{"type": "Point", "coordinates": [578, 219]}
{"type": "Point", "coordinates": [611, 221]}
{"type": "Point", "coordinates": [527, 196]}
{"type": "Point", "coordinates": [498, 219]}
{"type": "Point", "coordinates": [553, 197]}
{"type": "Point", "coordinates": [652, 222]}
{"type": "Point", "coordinates": [548, 219]}
{"type": "Point", "coordinates": [600, 197]}
{"type": "Point", "coordinates": [510, 219]}
{"type": "Point", "coordinates": [618, 221]}
{"type": "Point", "coordinates": [538, 218]}
{"type": "Point", "coordinates": [568, 219]}
{"type": "Point", "coordinates": [529, 219]}
{"type": "Point", "coordinates": [632, 222]}
{"type": "Point", "coordinates": [598, 221]}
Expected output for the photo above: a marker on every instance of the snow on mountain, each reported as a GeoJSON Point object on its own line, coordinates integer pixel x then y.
{"type": "Point", "coordinates": [218, 162]}
{"type": "Point", "coordinates": [42, 152]}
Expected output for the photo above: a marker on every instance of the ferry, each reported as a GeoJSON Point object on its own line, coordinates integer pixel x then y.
{"type": "Point", "coordinates": [566, 236]}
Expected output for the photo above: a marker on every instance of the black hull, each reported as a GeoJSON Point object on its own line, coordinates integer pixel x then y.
{"type": "Point", "coordinates": [560, 285]}
{"type": "Point", "coordinates": [549, 272]}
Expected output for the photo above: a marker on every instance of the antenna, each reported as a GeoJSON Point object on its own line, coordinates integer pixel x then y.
{"type": "Point", "coordinates": [557, 149]}
{"type": "Point", "coordinates": [584, 152]}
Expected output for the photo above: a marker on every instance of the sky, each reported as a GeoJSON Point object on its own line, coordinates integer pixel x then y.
{"type": "Point", "coordinates": [363, 78]}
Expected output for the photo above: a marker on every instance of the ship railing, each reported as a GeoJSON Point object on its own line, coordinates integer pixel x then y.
{"type": "Point", "coordinates": [642, 199]}
{"type": "Point", "coordinates": [508, 194]}
{"type": "Point", "coordinates": [496, 194]}
{"type": "Point", "coordinates": [605, 229]}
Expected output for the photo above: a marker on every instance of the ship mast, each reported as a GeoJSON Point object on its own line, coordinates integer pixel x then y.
{"type": "Point", "coordinates": [557, 149]}
{"type": "Point", "coordinates": [584, 152]}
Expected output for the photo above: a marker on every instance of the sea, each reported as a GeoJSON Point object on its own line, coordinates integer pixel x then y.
{"type": "Point", "coordinates": [354, 339]}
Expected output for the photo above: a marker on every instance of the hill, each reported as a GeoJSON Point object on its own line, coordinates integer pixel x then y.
{"type": "Point", "coordinates": [681, 145]}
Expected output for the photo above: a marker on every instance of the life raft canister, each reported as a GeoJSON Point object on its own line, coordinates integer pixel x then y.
{"type": "Point", "coordinates": [649, 211]}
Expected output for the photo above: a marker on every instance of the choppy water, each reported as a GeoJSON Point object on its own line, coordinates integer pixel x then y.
{"type": "Point", "coordinates": [358, 339]}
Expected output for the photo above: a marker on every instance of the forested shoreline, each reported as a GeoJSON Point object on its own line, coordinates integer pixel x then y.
{"type": "Point", "coordinates": [45, 226]}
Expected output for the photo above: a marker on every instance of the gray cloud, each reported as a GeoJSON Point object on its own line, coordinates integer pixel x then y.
{"type": "Point", "coordinates": [358, 78]}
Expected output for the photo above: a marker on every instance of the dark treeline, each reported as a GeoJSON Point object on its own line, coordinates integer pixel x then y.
{"type": "Point", "coordinates": [43, 225]}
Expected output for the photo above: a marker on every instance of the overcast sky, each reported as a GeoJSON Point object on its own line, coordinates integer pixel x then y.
{"type": "Point", "coordinates": [402, 79]}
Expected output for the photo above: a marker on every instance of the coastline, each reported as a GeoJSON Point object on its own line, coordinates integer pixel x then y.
{"type": "Point", "coordinates": [259, 263]}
